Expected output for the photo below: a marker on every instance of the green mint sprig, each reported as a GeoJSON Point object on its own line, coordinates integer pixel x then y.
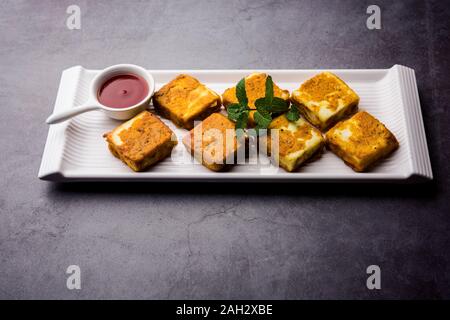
{"type": "Point", "coordinates": [238, 112]}
{"type": "Point", "coordinates": [268, 105]}
{"type": "Point", "coordinates": [293, 114]}
{"type": "Point", "coordinates": [265, 107]}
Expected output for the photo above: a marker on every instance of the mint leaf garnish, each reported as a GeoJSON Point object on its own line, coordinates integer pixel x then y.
{"type": "Point", "coordinates": [265, 107]}
{"type": "Point", "coordinates": [293, 114]}
{"type": "Point", "coordinates": [269, 90]}
{"type": "Point", "coordinates": [262, 120]}
{"type": "Point", "coordinates": [234, 110]}
{"type": "Point", "coordinates": [241, 122]}
{"type": "Point", "coordinates": [279, 105]}
{"type": "Point", "coordinates": [238, 112]}
{"type": "Point", "coordinates": [271, 104]}
{"type": "Point", "coordinates": [241, 94]}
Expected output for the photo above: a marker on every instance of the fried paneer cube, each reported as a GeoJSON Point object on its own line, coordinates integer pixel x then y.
{"type": "Point", "coordinates": [255, 87]}
{"type": "Point", "coordinates": [214, 142]}
{"type": "Point", "coordinates": [361, 141]}
{"type": "Point", "coordinates": [325, 100]}
{"type": "Point", "coordinates": [297, 142]}
{"type": "Point", "coordinates": [185, 100]}
{"type": "Point", "coordinates": [141, 141]}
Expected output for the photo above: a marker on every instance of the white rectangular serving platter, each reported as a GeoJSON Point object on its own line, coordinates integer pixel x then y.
{"type": "Point", "coordinates": [76, 151]}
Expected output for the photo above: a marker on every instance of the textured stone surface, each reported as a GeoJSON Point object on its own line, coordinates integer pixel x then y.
{"type": "Point", "coordinates": [221, 240]}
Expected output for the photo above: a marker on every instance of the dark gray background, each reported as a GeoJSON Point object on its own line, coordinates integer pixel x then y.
{"type": "Point", "coordinates": [218, 240]}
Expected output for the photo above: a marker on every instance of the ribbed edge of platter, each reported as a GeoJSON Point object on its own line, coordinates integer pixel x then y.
{"type": "Point", "coordinates": [50, 168]}
{"type": "Point", "coordinates": [417, 138]}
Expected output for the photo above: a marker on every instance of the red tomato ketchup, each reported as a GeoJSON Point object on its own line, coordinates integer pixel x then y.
{"type": "Point", "coordinates": [123, 91]}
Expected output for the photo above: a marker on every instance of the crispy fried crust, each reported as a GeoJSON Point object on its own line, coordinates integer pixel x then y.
{"type": "Point", "coordinates": [325, 100]}
{"type": "Point", "coordinates": [185, 100]}
{"type": "Point", "coordinates": [210, 142]}
{"type": "Point", "coordinates": [361, 141]}
{"type": "Point", "coordinates": [141, 141]}
{"type": "Point", "coordinates": [255, 87]}
{"type": "Point", "coordinates": [298, 142]}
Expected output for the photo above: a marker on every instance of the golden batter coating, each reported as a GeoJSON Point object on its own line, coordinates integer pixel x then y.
{"type": "Point", "coordinates": [361, 141]}
{"type": "Point", "coordinates": [141, 141]}
{"type": "Point", "coordinates": [324, 100]}
{"type": "Point", "coordinates": [255, 87]}
{"type": "Point", "coordinates": [184, 100]}
{"type": "Point", "coordinates": [214, 142]}
{"type": "Point", "coordinates": [297, 142]}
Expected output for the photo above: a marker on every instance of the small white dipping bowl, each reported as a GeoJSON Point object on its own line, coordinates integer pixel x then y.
{"type": "Point", "coordinates": [94, 104]}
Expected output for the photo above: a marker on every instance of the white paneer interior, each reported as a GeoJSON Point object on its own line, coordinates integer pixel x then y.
{"type": "Point", "coordinates": [295, 158]}
{"type": "Point", "coordinates": [125, 126]}
{"type": "Point", "coordinates": [343, 134]}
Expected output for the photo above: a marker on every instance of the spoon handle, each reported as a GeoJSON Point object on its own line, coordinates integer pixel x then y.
{"type": "Point", "coordinates": [64, 115]}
